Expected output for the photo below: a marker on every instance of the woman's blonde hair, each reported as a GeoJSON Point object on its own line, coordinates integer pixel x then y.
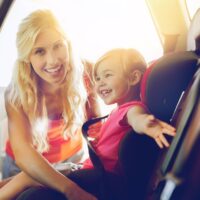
{"type": "Point", "coordinates": [24, 88]}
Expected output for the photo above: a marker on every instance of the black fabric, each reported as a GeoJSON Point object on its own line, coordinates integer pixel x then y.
{"type": "Point", "coordinates": [90, 180]}
{"type": "Point", "coordinates": [104, 187]}
{"type": "Point", "coordinates": [177, 165]}
{"type": "Point", "coordinates": [93, 156]}
{"type": "Point", "coordinates": [137, 157]}
{"type": "Point", "coordinates": [169, 77]}
{"type": "Point", "coordinates": [182, 120]}
{"type": "Point", "coordinates": [41, 193]}
{"type": "Point", "coordinates": [184, 172]}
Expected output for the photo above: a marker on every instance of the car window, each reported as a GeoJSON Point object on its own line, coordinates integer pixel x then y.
{"type": "Point", "coordinates": [192, 6]}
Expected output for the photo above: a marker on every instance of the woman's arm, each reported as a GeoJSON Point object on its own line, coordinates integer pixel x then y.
{"type": "Point", "coordinates": [32, 163]}
{"type": "Point", "coordinates": [5, 181]}
{"type": "Point", "coordinates": [145, 123]}
{"type": "Point", "coordinates": [21, 181]}
{"type": "Point", "coordinates": [17, 185]}
{"type": "Point", "coordinates": [27, 158]}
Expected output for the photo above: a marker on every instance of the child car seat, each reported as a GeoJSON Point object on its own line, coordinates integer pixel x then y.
{"type": "Point", "coordinates": [162, 90]}
{"type": "Point", "coordinates": [184, 172]}
{"type": "Point", "coordinates": [164, 82]}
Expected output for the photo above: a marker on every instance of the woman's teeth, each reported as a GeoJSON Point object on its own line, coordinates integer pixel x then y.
{"type": "Point", "coordinates": [53, 70]}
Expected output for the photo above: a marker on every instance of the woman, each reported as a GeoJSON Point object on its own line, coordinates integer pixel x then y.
{"type": "Point", "coordinates": [45, 104]}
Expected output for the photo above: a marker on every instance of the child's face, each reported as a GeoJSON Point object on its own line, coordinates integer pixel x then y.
{"type": "Point", "coordinates": [50, 58]}
{"type": "Point", "coordinates": [111, 83]}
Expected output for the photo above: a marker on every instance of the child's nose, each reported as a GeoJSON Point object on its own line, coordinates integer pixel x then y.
{"type": "Point", "coordinates": [101, 82]}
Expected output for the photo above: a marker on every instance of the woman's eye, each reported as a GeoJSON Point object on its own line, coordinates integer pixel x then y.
{"type": "Point", "coordinates": [40, 52]}
{"type": "Point", "coordinates": [59, 45]}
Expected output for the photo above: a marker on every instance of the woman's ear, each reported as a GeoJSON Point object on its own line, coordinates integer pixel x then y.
{"type": "Point", "coordinates": [135, 77]}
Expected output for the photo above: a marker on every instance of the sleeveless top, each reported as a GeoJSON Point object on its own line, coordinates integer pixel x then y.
{"type": "Point", "coordinates": [60, 149]}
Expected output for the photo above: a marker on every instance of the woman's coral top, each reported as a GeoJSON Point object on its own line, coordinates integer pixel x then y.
{"type": "Point", "coordinates": [60, 149]}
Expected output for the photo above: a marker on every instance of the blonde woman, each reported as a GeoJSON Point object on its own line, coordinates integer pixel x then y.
{"type": "Point", "coordinates": [45, 105]}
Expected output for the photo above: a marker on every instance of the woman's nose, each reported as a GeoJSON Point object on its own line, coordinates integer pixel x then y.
{"type": "Point", "coordinates": [51, 58]}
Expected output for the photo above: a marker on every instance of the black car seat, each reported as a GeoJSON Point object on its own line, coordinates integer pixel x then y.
{"type": "Point", "coordinates": [182, 180]}
{"type": "Point", "coordinates": [175, 79]}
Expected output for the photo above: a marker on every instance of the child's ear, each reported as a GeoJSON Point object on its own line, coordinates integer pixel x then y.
{"type": "Point", "coordinates": [135, 77]}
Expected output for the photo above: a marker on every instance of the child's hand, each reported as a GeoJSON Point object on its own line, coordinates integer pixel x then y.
{"type": "Point", "coordinates": [144, 123]}
{"type": "Point", "coordinates": [93, 131]}
{"type": "Point", "coordinates": [157, 129]}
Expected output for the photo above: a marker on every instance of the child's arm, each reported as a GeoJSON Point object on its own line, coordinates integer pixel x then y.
{"type": "Point", "coordinates": [15, 186]}
{"type": "Point", "coordinates": [142, 122]}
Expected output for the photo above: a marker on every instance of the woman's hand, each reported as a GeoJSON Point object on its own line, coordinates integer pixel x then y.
{"type": "Point", "coordinates": [13, 186]}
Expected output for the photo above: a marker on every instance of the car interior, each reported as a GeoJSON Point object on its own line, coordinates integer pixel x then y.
{"type": "Point", "coordinates": [171, 90]}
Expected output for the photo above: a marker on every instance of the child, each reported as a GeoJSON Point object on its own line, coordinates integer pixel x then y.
{"type": "Point", "coordinates": [117, 76]}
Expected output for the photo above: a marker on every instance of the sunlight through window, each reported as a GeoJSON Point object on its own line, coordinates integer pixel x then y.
{"type": "Point", "coordinates": [193, 6]}
{"type": "Point", "coordinates": [94, 27]}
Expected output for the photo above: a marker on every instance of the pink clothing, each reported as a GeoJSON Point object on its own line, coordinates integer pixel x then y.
{"type": "Point", "coordinates": [111, 133]}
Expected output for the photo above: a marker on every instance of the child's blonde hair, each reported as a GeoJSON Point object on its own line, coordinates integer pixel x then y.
{"type": "Point", "coordinates": [130, 60]}
{"type": "Point", "coordinates": [24, 88]}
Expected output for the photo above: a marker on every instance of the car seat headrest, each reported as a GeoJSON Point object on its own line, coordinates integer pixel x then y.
{"type": "Point", "coordinates": [165, 80]}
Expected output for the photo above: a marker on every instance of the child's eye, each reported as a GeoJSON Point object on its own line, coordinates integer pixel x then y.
{"type": "Point", "coordinates": [107, 75]}
{"type": "Point", "coordinates": [97, 78]}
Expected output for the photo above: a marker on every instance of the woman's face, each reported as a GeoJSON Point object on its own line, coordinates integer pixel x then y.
{"type": "Point", "coordinates": [50, 58]}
